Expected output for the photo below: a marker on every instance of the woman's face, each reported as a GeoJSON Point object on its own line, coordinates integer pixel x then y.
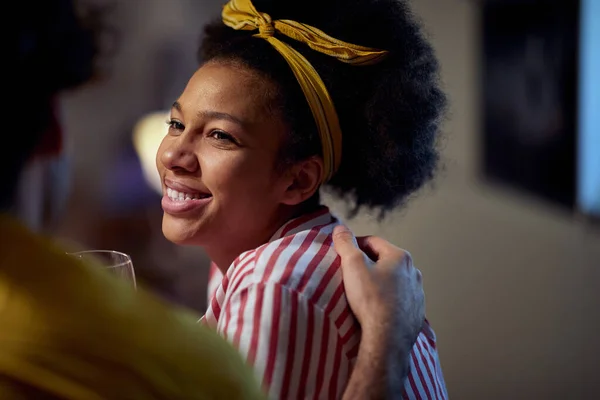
{"type": "Point", "coordinates": [218, 161]}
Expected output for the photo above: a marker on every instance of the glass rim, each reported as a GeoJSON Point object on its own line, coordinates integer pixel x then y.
{"type": "Point", "coordinates": [119, 253]}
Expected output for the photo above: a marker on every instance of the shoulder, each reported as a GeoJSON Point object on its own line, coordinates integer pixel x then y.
{"type": "Point", "coordinates": [301, 262]}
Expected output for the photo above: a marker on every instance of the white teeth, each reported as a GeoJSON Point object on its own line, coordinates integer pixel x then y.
{"type": "Point", "coordinates": [181, 196]}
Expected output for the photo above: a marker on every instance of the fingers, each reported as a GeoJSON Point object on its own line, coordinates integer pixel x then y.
{"type": "Point", "coordinates": [378, 248]}
{"type": "Point", "coordinates": [345, 245]}
{"type": "Point", "coordinates": [353, 250]}
{"type": "Point", "coordinates": [344, 241]}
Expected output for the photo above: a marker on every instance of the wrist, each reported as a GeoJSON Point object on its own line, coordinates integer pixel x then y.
{"type": "Point", "coordinates": [388, 351]}
{"type": "Point", "coordinates": [376, 338]}
{"type": "Point", "coordinates": [369, 376]}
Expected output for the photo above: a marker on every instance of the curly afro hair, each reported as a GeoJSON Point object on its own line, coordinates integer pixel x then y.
{"type": "Point", "coordinates": [390, 113]}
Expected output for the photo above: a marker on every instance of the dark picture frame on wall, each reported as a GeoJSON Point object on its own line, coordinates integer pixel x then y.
{"type": "Point", "coordinates": [529, 93]}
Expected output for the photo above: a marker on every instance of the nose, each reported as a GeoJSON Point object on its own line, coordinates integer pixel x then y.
{"type": "Point", "coordinates": [179, 155]}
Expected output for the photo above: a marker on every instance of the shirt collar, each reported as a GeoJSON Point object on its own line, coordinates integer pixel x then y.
{"type": "Point", "coordinates": [319, 217]}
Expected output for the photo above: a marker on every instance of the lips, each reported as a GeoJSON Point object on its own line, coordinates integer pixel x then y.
{"type": "Point", "coordinates": [182, 199]}
{"type": "Point", "coordinates": [193, 191]}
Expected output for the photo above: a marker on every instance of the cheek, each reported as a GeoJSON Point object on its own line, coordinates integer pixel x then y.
{"type": "Point", "coordinates": [237, 175]}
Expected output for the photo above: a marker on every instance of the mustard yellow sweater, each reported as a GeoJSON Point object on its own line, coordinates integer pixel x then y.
{"type": "Point", "coordinates": [71, 331]}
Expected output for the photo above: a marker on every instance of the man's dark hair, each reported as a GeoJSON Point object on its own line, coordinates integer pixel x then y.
{"type": "Point", "coordinates": [53, 48]}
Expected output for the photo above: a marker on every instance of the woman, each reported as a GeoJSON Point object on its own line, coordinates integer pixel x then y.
{"type": "Point", "coordinates": [255, 134]}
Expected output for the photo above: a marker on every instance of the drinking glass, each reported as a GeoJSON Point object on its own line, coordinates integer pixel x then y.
{"type": "Point", "coordinates": [115, 262]}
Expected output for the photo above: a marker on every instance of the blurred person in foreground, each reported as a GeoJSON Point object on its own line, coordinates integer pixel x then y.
{"type": "Point", "coordinates": [71, 331]}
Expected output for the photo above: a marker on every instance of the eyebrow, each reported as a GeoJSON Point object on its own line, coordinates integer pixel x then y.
{"type": "Point", "coordinates": [213, 115]}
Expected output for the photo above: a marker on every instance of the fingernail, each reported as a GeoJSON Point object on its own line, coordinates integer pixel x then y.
{"type": "Point", "coordinates": [341, 228]}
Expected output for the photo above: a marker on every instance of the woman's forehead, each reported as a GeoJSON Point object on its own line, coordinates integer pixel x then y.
{"type": "Point", "coordinates": [228, 89]}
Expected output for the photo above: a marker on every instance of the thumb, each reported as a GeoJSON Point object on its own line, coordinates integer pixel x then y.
{"type": "Point", "coordinates": [354, 268]}
{"type": "Point", "coordinates": [344, 242]}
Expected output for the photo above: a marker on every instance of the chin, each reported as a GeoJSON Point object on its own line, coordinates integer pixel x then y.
{"type": "Point", "coordinates": [180, 232]}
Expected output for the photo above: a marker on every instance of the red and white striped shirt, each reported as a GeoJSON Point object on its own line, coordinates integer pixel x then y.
{"type": "Point", "coordinates": [283, 306]}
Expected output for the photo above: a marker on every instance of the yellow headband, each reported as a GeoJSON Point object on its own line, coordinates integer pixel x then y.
{"type": "Point", "coordinates": [241, 15]}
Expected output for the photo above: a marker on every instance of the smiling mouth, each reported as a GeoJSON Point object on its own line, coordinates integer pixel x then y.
{"type": "Point", "coordinates": [183, 196]}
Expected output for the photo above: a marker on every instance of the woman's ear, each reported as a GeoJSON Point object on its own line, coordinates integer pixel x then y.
{"type": "Point", "coordinates": [304, 179]}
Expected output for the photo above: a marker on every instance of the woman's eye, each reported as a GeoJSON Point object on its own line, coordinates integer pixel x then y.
{"type": "Point", "coordinates": [220, 135]}
{"type": "Point", "coordinates": [174, 124]}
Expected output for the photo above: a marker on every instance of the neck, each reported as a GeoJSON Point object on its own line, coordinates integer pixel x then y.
{"type": "Point", "coordinates": [224, 253]}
